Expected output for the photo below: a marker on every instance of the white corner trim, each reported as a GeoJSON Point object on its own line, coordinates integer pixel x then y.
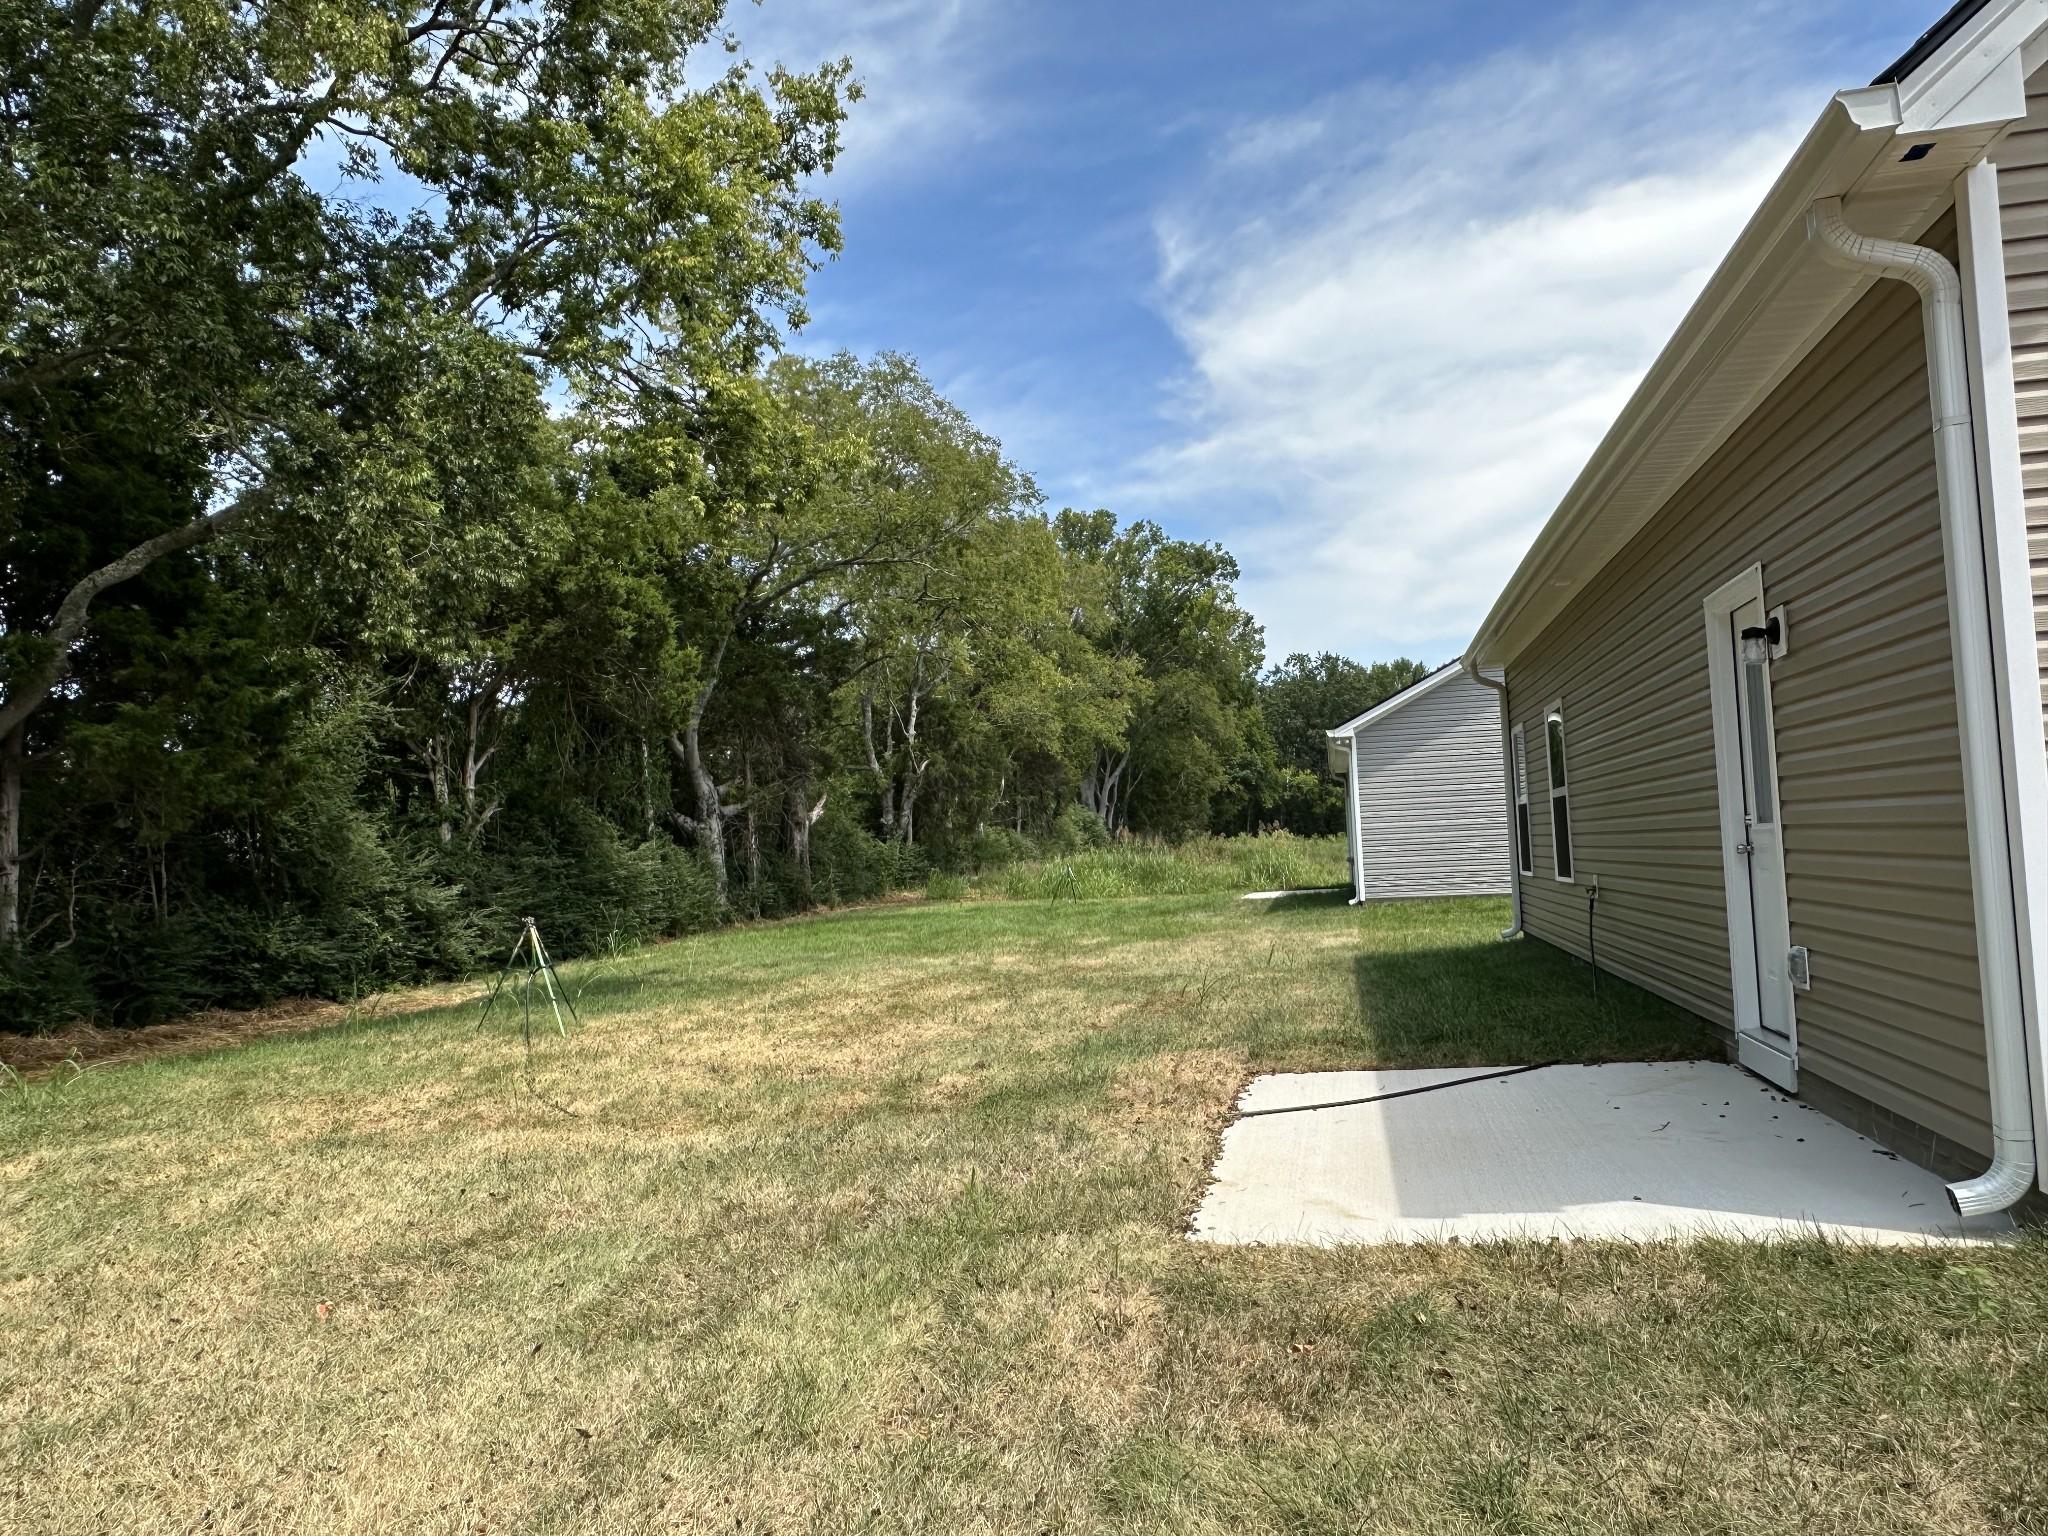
{"type": "Point", "coordinates": [1354, 830]}
{"type": "Point", "coordinates": [2009, 583]}
{"type": "Point", "coordinates": [1738, 591]}
{"type": "Point", "coordinates": [1510, 734]}
{"type": "Point", "coordinates": [1973, 646]}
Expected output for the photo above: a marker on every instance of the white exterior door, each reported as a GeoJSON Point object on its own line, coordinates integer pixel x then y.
{"type": "Point", "coordinates": [1739, 653]}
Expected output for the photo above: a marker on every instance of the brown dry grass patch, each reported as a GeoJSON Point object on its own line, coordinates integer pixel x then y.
{"type": "Point", "coordinates": [871, 1224]}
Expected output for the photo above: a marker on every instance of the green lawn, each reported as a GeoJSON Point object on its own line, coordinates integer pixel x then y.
{"type": "Point", "coordinates": [872, 1223]}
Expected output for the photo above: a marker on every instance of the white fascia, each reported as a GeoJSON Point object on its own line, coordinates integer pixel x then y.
{"type": "Point", "coordinates": [1401, 700]}
{"type": "Point", "coordinates": [1977, 76]}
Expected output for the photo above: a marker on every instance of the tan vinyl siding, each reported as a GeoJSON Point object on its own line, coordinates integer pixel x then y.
{"type": "Point", "coordinates": [1432, 810]}
{"type": "Point", "coordinates": [2023, 207]}
{"type": "Point", "coordinates": [1830, 485]}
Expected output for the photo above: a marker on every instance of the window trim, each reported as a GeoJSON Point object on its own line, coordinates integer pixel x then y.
{"type": "Point", "coordinates": [1524, 828]}
{"type": "Point", "coordinates": [1563, 870]}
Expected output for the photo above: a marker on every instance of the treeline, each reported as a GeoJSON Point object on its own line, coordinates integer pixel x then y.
{"type": "Point", "coordinates": [373, 578]}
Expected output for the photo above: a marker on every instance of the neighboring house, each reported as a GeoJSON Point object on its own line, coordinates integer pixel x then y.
{"type": "Point", "coordinates": [1422, 801]}
{"type": "Point", "coordinates": [1772, 669]}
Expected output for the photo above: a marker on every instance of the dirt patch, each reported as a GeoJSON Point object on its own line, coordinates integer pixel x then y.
{"type": "Point", "coordinates": [38, 1055]}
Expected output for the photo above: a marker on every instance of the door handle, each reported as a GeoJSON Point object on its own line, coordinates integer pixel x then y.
{"type": "Point", "coordinates": [1747, 850]}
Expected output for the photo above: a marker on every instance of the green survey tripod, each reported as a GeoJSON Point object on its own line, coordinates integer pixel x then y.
{"type": "Point", "coordinates": [537, 967]}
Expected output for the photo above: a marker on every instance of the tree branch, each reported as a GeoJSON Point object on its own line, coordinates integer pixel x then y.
{"type": "Point", "coordinates": [26, 697]}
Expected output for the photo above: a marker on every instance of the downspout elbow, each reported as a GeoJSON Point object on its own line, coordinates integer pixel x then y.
{"type": "Point", "coordinates": [1507, 754]}
{"type": "Point", "coordinates": [2001, 1186]}
{"type": "Point", "coordinates": [1940, 287]}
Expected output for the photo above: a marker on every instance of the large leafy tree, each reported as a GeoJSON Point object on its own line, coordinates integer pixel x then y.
{"type": "Point", "coordinates": [550, 177]}
{"type": "Point", "coordinates": [1301, 699]}
{"type": "Point", "coordinates": [1168, 608]}
{"type": "Point", "coordinates": [838, 500]}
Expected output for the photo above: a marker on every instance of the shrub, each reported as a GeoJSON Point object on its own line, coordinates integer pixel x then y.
{"type": "Point", "coordinates": [1076, 829]}
{"type": "Point", "coordinates": [849, 863]}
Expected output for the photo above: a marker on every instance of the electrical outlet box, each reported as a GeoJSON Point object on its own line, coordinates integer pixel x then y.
{"type": "Point", "coordinates": [1799, 963]}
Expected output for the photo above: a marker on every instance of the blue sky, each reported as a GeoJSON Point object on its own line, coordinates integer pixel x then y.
{"type": "Point", "coordinates": [1352, 288]}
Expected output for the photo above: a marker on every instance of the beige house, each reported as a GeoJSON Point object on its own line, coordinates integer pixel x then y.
{"type": "Point", "coordinates": [1772, 672]}
{"type": "Point", "coordinates": [1422, 792]}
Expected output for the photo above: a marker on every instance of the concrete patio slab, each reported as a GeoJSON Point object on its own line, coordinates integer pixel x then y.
{"type": "Point", "coordinates": [1631, 1152]}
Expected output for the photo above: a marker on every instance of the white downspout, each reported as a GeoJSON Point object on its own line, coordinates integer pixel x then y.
{"type": "Point", "coordinates": [1507, 758]}
{"type": "Point", "coordinates": [1930, 274]}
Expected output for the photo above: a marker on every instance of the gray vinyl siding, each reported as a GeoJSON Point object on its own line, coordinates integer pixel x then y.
{"type": "Point", "coordinates": [1432, 817]}
{"type": "Point", "coordinates": [2023, 208]}
{"type": "Point", "coordinates": [1830, 485]}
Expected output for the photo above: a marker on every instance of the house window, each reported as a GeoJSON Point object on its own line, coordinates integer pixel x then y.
{"type": "Point", "coordinates": [1525, 850]}
{"type": "Point", "coordinates": [1560, 793]}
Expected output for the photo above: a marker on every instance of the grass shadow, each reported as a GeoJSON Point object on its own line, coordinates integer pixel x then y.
{"type": "Point", "coordinates": [1298, 901]}
{"type": "Point", "coordinates": [1512, 1001]}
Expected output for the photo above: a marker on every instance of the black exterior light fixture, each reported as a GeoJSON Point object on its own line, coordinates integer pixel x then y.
{"type": "Point", "coordinates": [1917, 152]}
{"type": "Point", "coordinates": [1759, 640]}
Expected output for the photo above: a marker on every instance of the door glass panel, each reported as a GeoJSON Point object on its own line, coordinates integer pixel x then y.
{"type": "Point", "coordinates": [1756, 679]}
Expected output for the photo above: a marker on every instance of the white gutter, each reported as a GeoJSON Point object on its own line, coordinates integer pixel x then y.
{"type": "Point", "coordinates": [1507, 758]}
{"type": "Point", "coordinates": [1929, 273]}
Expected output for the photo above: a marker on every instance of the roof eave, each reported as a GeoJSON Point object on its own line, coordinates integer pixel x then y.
{"type": "Point", "coordinates": [1394, 701]}
{"type": "Point", "coordinates": [1771, 299]}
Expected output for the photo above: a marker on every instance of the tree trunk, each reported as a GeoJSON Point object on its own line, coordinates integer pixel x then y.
{"type": "Point", "coordinates": [689, 750]}
{"type": "Point", "coordinates": [433, 753]}
{"type": "Point", "coordinates": [647, 786]}
{"type": "Point", "coordinates": [751, 836]}
{"type": "Point", "coordinates": [1104, 788]}
{"type": "Point", "coordinates": [477, 754]}
{"type": "Point", "coordinates": [12, 753]}
{"type": "Point", "coordinates": [28, 694]}
{"type": "Point", "coordinates": [913, 770]}
{"type": "Point", "coordinates": [709, 822]}
{"type": "Point", "coordinates": [801, 819]}
{"type": "Point", "coordinates": [884, 783]}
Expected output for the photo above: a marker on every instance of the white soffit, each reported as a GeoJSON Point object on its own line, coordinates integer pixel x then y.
{"type": "Point", "coordinates": [1772, 299]}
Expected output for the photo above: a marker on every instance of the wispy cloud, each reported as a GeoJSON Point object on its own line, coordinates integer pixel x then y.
{"type": "Point", "coordinates": [918, 62]}
{"type": "Point", "coordinates": [1406, 356]}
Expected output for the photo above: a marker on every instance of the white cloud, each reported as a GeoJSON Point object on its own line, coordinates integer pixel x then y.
{"type": "Point", "coordinates": [916, 61]}
{"type": "Point", "coordinates": [1409, 354]}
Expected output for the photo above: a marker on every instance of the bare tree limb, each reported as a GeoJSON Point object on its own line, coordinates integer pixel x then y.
{"type": "Point", "coordinates": [26, 696]}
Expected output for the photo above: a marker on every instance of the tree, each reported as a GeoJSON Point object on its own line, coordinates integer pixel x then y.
{"type": "Point", "coordinates": [1169, 608]}
{"type": "Point", "coordinates": [162, 252]}
{"type": "Point", "coordinates": [1301, 699]}
{"type": "Point", "coordinates": [989, 694]}
{"type": "Point", "coordinates": [840, 502]}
